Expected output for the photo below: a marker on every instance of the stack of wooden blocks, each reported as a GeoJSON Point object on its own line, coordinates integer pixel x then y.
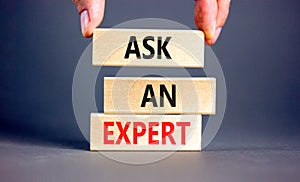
{"type": "Point", "coordinates": [151, 113]}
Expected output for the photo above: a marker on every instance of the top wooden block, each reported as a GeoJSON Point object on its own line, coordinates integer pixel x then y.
{"type": "Point", "coordinates": [148, 48]}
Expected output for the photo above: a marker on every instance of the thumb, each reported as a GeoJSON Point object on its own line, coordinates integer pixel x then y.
{"type": "Point", "coordinates": [91, 15]}
{"type": "Point", "coordinates": [205, 15]}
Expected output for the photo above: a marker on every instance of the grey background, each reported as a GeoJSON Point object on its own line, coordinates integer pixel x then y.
{"type": "Point", "coordinates": [258, 50]}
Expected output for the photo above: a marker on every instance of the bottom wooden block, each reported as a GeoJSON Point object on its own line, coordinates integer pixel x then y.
{"type": "Point", "coordinates": [145, 132]}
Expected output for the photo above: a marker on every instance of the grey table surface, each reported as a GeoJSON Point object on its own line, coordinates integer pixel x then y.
{"type": "Point", "coordinates": [245, 161]}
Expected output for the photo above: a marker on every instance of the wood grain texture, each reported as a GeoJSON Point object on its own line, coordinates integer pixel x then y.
{"type": "Point", "coordinates": [124, 95]}
{"type": "Point", "coordinates": [186, 48]}
{"type": "Point", "coordinates": [192, 134]}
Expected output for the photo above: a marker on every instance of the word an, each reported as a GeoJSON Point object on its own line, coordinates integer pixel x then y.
{"type": "Point", "coordinates": [162, 93]}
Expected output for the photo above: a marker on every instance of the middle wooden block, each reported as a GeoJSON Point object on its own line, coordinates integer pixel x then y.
{"type": "Point", "coordinates": [158, 95]}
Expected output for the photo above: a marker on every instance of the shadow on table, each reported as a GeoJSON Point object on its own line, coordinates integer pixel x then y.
{"type": "Point", "coordinates": [25, 136]}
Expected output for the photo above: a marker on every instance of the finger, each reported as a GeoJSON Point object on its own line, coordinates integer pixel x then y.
{"type": "Point", "coordinates": [223, 10]}
{"type": "Point", "coordinates": [91, 15]}
{"type": "Point", "coordinates": [216, 35]}
{"type": "Point", "coordinates": [205, 15]}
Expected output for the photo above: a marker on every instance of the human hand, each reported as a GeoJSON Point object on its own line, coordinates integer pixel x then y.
{"type": "Point", "coordinates": [210, 16]}
{"type": "Point", "coordinates": [91, 15]}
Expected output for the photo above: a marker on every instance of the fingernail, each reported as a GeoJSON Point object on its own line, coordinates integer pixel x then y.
{"type": "Point", "coordinates": [217, 33]}
{"type": "Point", "coordinates": [84, 19]}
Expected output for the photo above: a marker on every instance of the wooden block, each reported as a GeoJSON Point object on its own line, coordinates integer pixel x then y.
{"type": "Point", "coordinates": [129, 95]}
{"type": "Point", "coordinates": [185, 48]}
{"type": "Point", "coordinates": [145, 132]}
